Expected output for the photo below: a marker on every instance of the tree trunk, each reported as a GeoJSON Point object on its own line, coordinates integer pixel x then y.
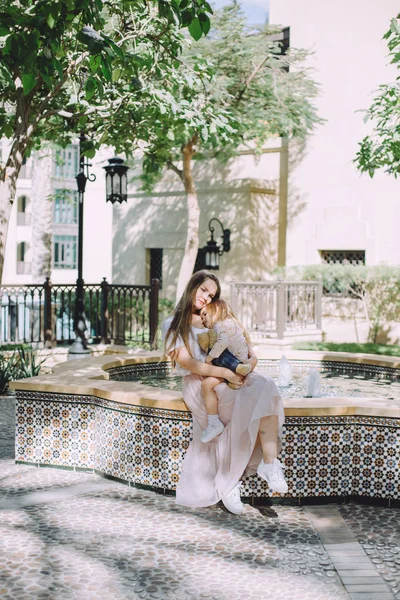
{"type": "Point", "coordinates": [192, 239]}
{"type": "Point", "coordinates": [8, 188]}
{"type": "Point", "coordinates": [42, 215]}
{"type": "Point", "coordinates": [9, 174]}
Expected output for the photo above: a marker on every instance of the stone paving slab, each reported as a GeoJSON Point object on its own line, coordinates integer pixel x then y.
{"type": "Point", "coordinates": [348, 556]}
{"type": "Point", "coordinates": [377, 529]}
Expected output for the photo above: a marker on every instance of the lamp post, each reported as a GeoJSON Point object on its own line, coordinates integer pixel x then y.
{"type": "Point", "coordinates": [212, 251]}
{"type": "Point", "coordinates": [116, 190]}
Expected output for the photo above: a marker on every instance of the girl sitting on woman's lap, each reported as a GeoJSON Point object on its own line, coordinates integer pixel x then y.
{"type": "Point", "coordinates": [230, 350]}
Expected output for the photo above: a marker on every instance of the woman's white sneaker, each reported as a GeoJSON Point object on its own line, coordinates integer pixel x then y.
{"type": "Point", "coordinates": [273, 475]}
{"type": "Point", "coordinates": [232, 500]}
{"type": "Point", "coordinates": [212, 431]}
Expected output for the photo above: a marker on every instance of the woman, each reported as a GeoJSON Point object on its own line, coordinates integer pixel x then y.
{"type": "Point", "coordinates": [253, 414]}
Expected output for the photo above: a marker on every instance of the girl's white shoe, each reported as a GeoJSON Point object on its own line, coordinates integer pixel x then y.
{"type": "Point", "coordinates": [212, 431]}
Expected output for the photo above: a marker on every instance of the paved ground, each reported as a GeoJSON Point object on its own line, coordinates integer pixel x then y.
{"type": "Point", "coordinates": [67, 535]}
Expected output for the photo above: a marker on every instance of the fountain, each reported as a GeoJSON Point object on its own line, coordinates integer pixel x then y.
{"type": "Point", "coordinates": [313, 387]}
{"type": "Point", "coordinates": [120, 417]}
{"type": "Point", "coordinates": [285, 373]}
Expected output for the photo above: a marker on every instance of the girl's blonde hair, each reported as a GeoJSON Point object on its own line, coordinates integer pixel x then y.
{"type": "Point", "coordinates": [182, 315]}
{"type": "Point", "coordinates": [219, 310]}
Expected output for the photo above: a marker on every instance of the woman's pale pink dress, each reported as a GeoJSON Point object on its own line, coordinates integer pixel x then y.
{"type": "Point", "coordinates": [211, 470]}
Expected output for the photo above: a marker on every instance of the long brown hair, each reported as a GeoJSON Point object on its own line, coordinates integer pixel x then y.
{"type": "Point", "coordinates": [182, 315]}
{"type": "Point", "coordinates": [221, 310]}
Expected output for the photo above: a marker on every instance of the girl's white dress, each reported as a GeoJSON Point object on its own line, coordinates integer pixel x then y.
{"type": "Point", "coordinates": [211, 470]}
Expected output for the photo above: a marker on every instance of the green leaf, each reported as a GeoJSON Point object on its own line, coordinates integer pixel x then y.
{"type": "Point", "coordinates": [28, 83]}
{"type": "Point", "coordinates": [170, 135]}
{"type": "Point", "coordinates": [187, 17]}
{"type": "Point", "coordinates": [4, 30]}
{"type": "Point", "coordinates": [205, 23]}
{"type": "Point", "coordinates": [90, 153]}
{"type": "Point", "coordinates": [94, 42]}
{"type": "Point", "coordinates": [90, 88]}
{"type": "Point", "coordinates": [116, 49]}
{"type": "Point", "coordinates": [116, 74]}
{"type": "Point", "coordinates": [195, 29]}
{"type": "Point", "coordinates": [396, 58]}
{"type": "Point", "coordinates": [50, 21]}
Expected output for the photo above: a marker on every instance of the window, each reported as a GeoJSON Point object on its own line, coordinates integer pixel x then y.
{"type": "Point", "coordinates": [23, 218]}
{"type": "Point", "coordinates": [65, 206]}
{"type": "Point", "coordinates": [23, 173]}
{"type": "Point", "coordinates": [23, 267]}
{"type": "Point", "coordinates": [156, 260]}
{"type": "Point", "coordinates": [343, 257]}
{"type": "Point", "coordinates": [21, 250]}
{"type": "Point", "coordinates": [64, 251]}
{"type": "Point", "coordinates": [67, 162]}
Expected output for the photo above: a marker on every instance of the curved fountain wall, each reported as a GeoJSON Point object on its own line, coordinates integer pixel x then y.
{"type": "Point", "coordinates": [78, 418]}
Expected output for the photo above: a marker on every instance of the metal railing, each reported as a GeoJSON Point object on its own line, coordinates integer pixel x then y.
{"type": "Point", "coordinates": [278, 307]}
{"type": "Point", "coordinates": [44, 313]}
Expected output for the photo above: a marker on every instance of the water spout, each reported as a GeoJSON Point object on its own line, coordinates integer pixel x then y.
{"type": "Point", "coordinates": [285, 373]}
{"type": "Point", "coordinates": [313, 388]}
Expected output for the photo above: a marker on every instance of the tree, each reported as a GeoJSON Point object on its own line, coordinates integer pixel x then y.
{"type": "Point", "coordinates": [234, 88]}
{"type": "Point", "coordinates": [51, 52]}
{"type": "Point", "coordinates": [381, 149]}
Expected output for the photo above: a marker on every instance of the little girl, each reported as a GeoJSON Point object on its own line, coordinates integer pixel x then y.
{"type": "Point", "coordinates": [231, 350]}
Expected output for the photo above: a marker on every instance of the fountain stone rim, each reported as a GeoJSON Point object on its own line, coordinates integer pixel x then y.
{"type": "Point", "coordinates": [90, 377]}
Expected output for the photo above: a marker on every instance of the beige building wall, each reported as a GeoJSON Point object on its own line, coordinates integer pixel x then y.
{"type": "Point", "coordinates": [342, 209]}
{"type": "Point", "coordinates": [242, 194]}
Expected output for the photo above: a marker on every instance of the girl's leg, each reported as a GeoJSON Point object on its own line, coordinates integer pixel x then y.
{"type": "Point", "coordinates": [210, 397]}
{"type": "Point", "coordinates": [214, 426]}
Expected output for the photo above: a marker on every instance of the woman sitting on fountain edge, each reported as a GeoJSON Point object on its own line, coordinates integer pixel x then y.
{"type": "Point", "coordinates": [253, 415]}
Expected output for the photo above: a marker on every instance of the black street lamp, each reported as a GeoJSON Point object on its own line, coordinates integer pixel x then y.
{"type": "Point", "coordinates": [118, 189]}
{"type": "Point", "coordinates": [116, 180]}
{"type": "Point", "coordinates": [212, 251]}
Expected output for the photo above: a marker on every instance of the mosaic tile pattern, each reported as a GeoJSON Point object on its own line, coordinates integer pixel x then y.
{"type": "Point", "coordinates": [324, 456]}
{"type": "Point", "coordinates": [339, 459]}
{"type": "Point", "coordinates": [140, 448]}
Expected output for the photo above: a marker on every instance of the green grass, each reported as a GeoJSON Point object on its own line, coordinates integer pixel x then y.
{"type": "Point", "coordinates": [354, 348]}
{"type": "Point", "coordinates": [11, 347]}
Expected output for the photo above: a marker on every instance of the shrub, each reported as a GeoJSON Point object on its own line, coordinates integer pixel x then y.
{"type": "Point", "coordinates": [8, 370]}
{"type": "Point", "coordinates": [19, 364]}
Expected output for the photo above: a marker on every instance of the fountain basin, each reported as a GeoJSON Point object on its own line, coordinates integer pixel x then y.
{"type": "Point", "coordinates": [78, 417]}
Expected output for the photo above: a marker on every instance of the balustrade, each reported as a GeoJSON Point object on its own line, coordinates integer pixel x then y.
{"type": "Point", "coordinates": [277, 307]}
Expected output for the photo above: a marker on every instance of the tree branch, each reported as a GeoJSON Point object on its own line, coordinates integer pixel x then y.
{"type": "Point", "coordinates": [174, 168]}
{"type": "Point", "coordinates": [53, 93]}
{"type": "Point", "coordinates": [249, 80]}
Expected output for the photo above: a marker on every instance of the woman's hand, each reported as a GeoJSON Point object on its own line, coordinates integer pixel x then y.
{"type": "Point", "coordinates": [234, 377]}
{"type": "Point", "coordinates": [252, 362]}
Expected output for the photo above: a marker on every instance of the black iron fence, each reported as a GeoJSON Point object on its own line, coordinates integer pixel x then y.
{"type": "Point", "coordinates": [44, 313]}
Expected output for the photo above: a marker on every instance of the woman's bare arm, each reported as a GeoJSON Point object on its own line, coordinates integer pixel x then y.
{"type": "Point", "coordinates": [183, 358]}
{"type": "Point", "coordinates": [253, 360]}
